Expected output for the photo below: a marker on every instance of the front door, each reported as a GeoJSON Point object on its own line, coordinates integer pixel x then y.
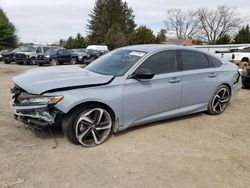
{"type": "Point", "coordinates": [150, 100]}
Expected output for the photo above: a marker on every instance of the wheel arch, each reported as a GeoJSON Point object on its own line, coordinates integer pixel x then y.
{"type": "Point", "coordinates": [226, 84]}
{"type": "Point", "coordinates": [245, 59]}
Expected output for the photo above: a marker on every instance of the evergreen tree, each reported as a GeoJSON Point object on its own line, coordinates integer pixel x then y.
{"type": "Point", "coordinates": [243, 36]}
{"type": "Point", "coordinates": [224, 39]}
{"type": "Point", "coordinates": [78, 42]}
{"type": "Point", "coordinates": [115, 38]}
{"type": "Point", "coordinates": [161, 36]}
{"type": "Point", "coordinates": [142, 35]}
{"type": "Point", "coordinates": [110, 16]}
{"type": "Point", "coordinates": [8, 38]}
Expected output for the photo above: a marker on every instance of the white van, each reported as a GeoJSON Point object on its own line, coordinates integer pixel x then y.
{"type": "Point", "coordinates": [98, 47]}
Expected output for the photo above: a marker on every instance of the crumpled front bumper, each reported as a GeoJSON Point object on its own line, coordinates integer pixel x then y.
{"type": "Point", "coordinates": [39, 116]}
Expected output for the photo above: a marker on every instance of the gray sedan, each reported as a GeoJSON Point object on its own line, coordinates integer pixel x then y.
{"type": "Point", "coordinates": [127, 87]}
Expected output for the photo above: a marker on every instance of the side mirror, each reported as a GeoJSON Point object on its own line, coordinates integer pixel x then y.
{"type": "Point", "coordinates": [143, 74]}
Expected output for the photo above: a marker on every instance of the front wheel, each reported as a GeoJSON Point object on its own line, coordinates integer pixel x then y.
{"type": "Point", "coordinates": [89, 126]}
{"type": "Point", "coordinates": [54, 62]}
{"type": "Point", "coordinates": [73, 61]}
{"type": "Point", "coordinates": [219, 101]}
{"type": "Point", "coordinates": [33, 61]}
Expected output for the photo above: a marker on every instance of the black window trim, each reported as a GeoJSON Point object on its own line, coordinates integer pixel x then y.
{"type": "Point", "coordinates": [209, 57]}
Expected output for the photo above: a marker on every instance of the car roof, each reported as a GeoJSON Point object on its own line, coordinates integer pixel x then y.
{"type": "Point", "coordinates": [149, 48]}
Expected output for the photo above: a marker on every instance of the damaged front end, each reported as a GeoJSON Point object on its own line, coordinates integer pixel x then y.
{"type": "Point", "coordinates": [34, 110]}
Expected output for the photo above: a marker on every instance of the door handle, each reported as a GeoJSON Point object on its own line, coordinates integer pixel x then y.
{"type": "Point", "coordinates": [212, 75]}
{"type": "Point", "coordinates": [174, 80]}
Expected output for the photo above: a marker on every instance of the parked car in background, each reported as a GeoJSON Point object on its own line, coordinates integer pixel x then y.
{"type": "Point", "coordinates": [28, 54]}
{"type": "Point", "coordinates": [9, 55]}
{"type": "Point", "coordinates": [96, 51]}
{"type": "Point", "coordinates": [127, 87]}
{"type": "Point", "coordinates": [56, 57]}
{"type": "Point", "coordinates": [81, 53]}
{"type": "Point", "coordinates": [1, 56]}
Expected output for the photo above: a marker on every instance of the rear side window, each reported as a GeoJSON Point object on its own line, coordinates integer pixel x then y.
{"type": "Point", "coordinates": [214, 62]}
{"type": "Point", "coordinates": [194, 60]}
{"type": "Point", "coordinates": [161, 62]}
{"type": "Point", "coordinates": [65, 52]}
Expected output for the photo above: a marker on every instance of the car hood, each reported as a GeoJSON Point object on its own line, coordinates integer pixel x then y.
{"type": "Point", "coordinates": [26, 53]}
{"type": "Point", "coordinates": [59, 78]}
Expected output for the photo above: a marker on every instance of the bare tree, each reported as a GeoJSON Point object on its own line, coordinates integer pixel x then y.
{"type": "Point", "coordinates": [182, 23]}
{"type": "Point", "coordinates": [215, 23]}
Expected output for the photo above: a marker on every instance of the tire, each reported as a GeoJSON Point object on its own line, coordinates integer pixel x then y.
{"type": "Point", "coordinates": [33, 61]}
{"type": "Point", "coordinates": [40, 64]}
{"type": "Point", "coordinates": [6, 61]}
{"type": "Point", "coordinates": [54, 62]}
{"type": "Point", "coordinates": [220, 100]}
{"type": "Point", "coordinates": [73, 61]}
{"type": "Point", "coordinates": [244, 65]}
{"type": "Point", "coordinates": [88, 125]}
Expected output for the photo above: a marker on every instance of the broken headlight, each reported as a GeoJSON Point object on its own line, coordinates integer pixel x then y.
{"type": "Point", "coordinates": [29, 99]}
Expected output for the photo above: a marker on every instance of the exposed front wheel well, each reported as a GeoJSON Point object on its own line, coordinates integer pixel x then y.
{"type": "Point", "coordinates": [89, 123]}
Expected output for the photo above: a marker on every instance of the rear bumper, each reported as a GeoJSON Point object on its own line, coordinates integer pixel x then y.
{"type": "Point", "coordinates": [40, 116]}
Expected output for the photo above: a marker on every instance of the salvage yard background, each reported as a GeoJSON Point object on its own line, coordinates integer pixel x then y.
{"type": "Point", "coordinates": [192, 151]}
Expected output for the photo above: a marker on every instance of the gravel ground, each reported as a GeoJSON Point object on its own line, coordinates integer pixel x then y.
{"type": "Point", "coordinates": [192, 151]}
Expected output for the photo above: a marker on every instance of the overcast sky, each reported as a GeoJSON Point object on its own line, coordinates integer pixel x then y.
{"type": "Point", "coordinates": [46, 21]}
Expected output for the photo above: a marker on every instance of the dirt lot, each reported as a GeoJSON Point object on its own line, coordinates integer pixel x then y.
{"type": "Point", "coordinates": [193, 151]}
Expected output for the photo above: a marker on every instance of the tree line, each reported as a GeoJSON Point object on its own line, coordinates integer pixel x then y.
{"type": "Point", "coordinates": [111, 23]}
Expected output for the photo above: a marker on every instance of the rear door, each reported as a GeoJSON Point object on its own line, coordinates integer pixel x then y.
{"type": "Point", "coordinates": [149, 100]}
{"type": "Point", "coordinates": [67, 56]}
{"type": "Point", "coordinates": [60, 56]}
{"type": "Point", "coordinates": [199, 79]}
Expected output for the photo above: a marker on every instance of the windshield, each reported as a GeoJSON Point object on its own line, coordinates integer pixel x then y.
{"type": "Point", "coordinates": [116, 63]}
{"type": "Point", "coordinates": [81, 50]}
{"type": "Point", "coordinates": [28, 49]}
{"type": "Point", "coordinates": [51, 51]}
{"type": "Point", "coordinates": [17, 49]}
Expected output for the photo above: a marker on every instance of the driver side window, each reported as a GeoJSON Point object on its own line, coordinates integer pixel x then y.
{"type": "Point", "coordinates": [60, 52]}
{"type": "Point", "coordinates": [161, 62]}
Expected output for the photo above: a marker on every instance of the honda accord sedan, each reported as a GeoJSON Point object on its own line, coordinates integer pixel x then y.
{"type": "Point", "coordinates": [127, 87]}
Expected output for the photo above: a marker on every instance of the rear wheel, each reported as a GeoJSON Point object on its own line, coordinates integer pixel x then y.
{"type": "Point", "coordinates": [244, 65]}
{"type": "Point", "coordinates": [6, 61]}
{"type": "Point", "coordinates": [88, 126]}
{"type": "Point", "coordinates": [219, 101]}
